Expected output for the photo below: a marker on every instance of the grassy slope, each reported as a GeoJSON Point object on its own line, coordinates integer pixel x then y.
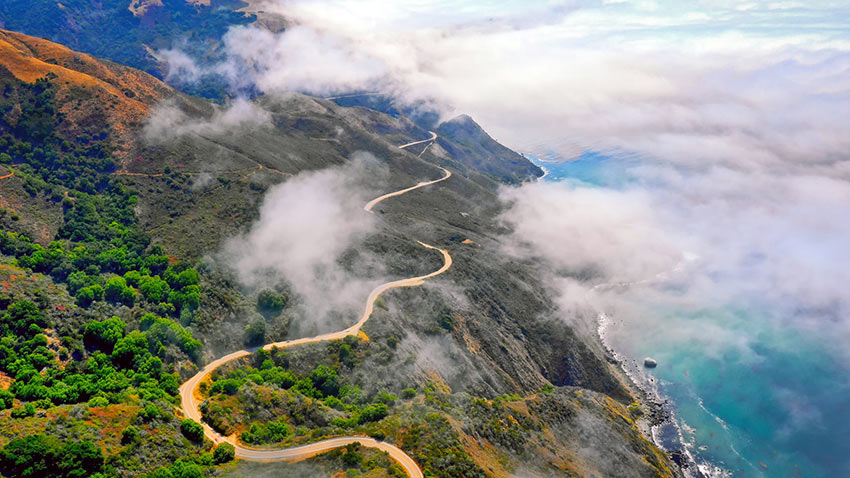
{"type": "Point", "coordinates": [561, 431]}
{"type": "Point", "coordinates": [95, 95]}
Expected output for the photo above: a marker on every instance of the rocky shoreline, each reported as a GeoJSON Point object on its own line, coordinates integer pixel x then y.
{"type": "Point", "coordinates": [658, 422]}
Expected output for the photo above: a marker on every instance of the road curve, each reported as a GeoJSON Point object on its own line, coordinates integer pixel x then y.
{"type": "Point", "coordinates": [368, 207]}
{"type": "Point", "coordinates": [432, 138]}
{"type": "Point", "coordinates": [190, 398]}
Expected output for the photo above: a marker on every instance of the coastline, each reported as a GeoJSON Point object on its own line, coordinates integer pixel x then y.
{"type": "Point", "coordinates": [545, 172]}
{"type": "Point", "coordinates": [659, 423]}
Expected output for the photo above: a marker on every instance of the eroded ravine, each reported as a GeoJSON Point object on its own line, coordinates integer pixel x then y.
{"type": "Point", "coordinates": [190, 398]}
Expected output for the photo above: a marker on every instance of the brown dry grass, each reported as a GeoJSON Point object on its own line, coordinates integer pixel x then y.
{"type": "Point", "coordinates": [123, 94]}
{"type": "Point", "coordinates": [139, 7]}
{"type": "Point", "coordinates": [5, 381]}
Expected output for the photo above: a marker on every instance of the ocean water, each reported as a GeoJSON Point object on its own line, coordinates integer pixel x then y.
{"type": "Point", "coordinates": [765, 399]}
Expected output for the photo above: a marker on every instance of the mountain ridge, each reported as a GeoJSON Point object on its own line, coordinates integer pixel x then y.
{"type": "Point", "coordinates": [558, 390]}
{"type": "Point", "coordinates": [129, 92]}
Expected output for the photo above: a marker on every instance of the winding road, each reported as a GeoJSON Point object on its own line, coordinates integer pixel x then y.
{"type": "Point", "coordinates": [368, 207]}
{"type": "Point", "coordinates": [190, 397]}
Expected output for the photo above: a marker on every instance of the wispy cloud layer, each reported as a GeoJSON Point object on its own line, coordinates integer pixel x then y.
{"type": "Point", "coordinates": [660, 76]}
{"type": "Point", "coordinates": [306, 225]}
{"type": "Point", "coordinates": [167, 121]}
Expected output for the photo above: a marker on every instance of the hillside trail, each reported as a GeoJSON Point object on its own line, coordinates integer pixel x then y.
{"type": "Point", "coordinates": [190, 397]}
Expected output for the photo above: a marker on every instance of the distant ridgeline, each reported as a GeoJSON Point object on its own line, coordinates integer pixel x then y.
{"type": "Point", "coordinates": [109, 29]}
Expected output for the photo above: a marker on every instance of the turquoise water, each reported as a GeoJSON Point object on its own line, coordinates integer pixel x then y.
{"type": "Point", "coordinates": [754, 393]}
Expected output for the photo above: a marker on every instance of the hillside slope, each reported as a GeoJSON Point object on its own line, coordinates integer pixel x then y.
{"type": "Point", "coordinates": [95, 97]}
{"type": "Point", "coordinates": [522, 391]}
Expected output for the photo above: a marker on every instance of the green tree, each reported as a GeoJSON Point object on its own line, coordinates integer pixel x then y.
{"type": "Point", "coordinates": [131, 349]}
{"type": "Point", "coordinates": [25, 410]}
{"type": "Point", "coordinates": [80, 459]}
{"type": "Point", "coordinates": [272, 432]}
{"type": "Point", "coordinates": [154, 289]}
{"type": "Point", "coordinates": [387, 399]}
{"type": "Point", "coordinates": [87, 295]}
{"type": "Point", "coordinates": [325, 379]}
{"type": "Point", "coordinates": [228, 386]}
{"type": "Point", "coordinates": [20, 315]}
{"type": "Point", "coordinates": [116, 290]}
{"type": "Point", "coordinates": [351, 458]}
{"type": "Point", "coordinates": [192, 430]}
{"type": "Point", "coordinates": [130, 435]}
{"type": "Point", "coordinates": [255, 333]}
{"type": "Point", "coordinates": [372, 413]}
{"type": "Point", "coordinates": [188, 297]}
{"type": "Point", "coordinates": [104, 334]}
{"type": "Point", "coordinates": [224, 453]}
{"type": "Point", "coordinates": [39, 456]}
{"type": "Point", "coordinates": [7, 400]}
{"type": "Point", "coordinates": [270, 303]}
{"type": "Point", "coordinates": [187, 277]}
{"type": "Point", "coordinates": [133, 278]}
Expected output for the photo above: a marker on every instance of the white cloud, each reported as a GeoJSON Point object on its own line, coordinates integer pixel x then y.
{"type": "Point", "coordinates": [168, 121]}
{"type": "Point", "coordinates": [299, 60]}
{"type": "Point", "coordinates": [656, 77]}
{"type": "Point", "coordinates": [306, 224]}
{"type": "Point", "coordinates": [181, 67]}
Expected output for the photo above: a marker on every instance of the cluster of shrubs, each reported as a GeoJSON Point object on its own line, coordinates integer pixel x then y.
{"type": "Point", "coordinates": [321, 386]}
{"type": "Point", "coordinates": [101, 255]}
{"type": "Point", "coordinates": [43, 456]}
{"type": "Point", "coordinates": [118, 361]}
{"type": "Point", "coordinates": [116, 275]}
{"type": "Point", "coordinates": [354, 462]}
{"type": "Point", "coordinates": [79, 163]}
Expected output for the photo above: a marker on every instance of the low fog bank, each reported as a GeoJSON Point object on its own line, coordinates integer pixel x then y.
{"type": "Point", "coordinates": [721, 236]}
{"type": "Point", "coordinates": [691, 83]}
{"type": "Point", "coordinates": [730, 265]}
{"type": "Point", "coordinates": [167, 121]}
{"type": "Point", "coordinates": [308, 227]}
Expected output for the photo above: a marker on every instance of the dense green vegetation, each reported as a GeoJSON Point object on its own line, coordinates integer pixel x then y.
{"type": "Point", "coordinates": [112, 365]}
{"type": "Point", "coordinates": [307, 396]}
{"type": "Point", "coordinates": [106, 262]}
{"type": "Point", "coordinates": [353, 460]}
{"type": "Point", "coordinates": [109, 30]}
{"type": "Point", "coordinates": [43, 456]}
{"type": "Point", "coordinates": [101, 252]}
{"type": "Point", "coordinates": [270, 303]}
{"type": "Point", "coordinates": [224, 453]}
